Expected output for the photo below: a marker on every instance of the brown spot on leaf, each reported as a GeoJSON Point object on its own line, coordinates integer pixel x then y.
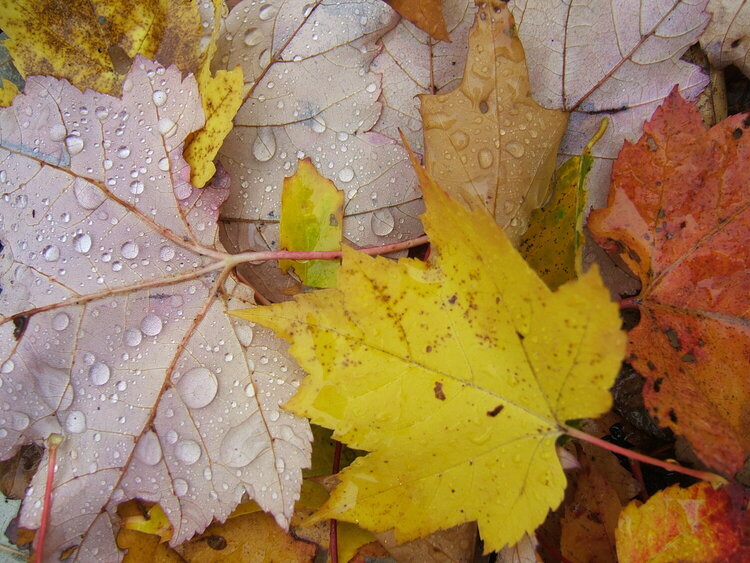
{"type": "Point", "coordinates": [20, 324]}
{"type": "Point", "coordinates": [674, 339]}
{"type": "Point", "coordinates": [216, 542]}
{"type": "Point", "coordinates": [737, 133]}
{"type": "Point", "coordinates": [438, 390]}
{"type": "Point", "coordinates": [651, 144]}
{"type": "Point", "coordinates": [496, 411]}
{"type": "Point", "coordinates": [672, 416]}
{"type": "Point", "coordinates": [690, 358]}
{"type": "Point", "coordinates": [657, 384]}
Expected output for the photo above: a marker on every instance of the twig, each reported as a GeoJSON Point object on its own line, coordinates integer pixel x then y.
{"type": "Point", "coordinates": [333, 540]}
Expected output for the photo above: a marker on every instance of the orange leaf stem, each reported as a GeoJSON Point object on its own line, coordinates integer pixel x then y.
{"type": "Point", "coordinates": [333, 541]}
{"type": "Point", "coordinates": [703, 475]}
{"type": "Point", "coordinates": [53, 441]}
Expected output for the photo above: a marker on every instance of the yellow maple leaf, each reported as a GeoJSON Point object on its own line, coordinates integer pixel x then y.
{"type": "Point", "coordinates": [488, 143]}
{"type": "Point", "coordinates": [457, 375]}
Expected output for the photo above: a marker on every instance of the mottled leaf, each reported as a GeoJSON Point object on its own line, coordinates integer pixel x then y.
{"type": "Point", "coordinates": [678, 215]}
{"type": "Point", "coordinates": [488, 142]}
{"type": "Point", "coordinates": [311, 217]}
{"type": "Point", "coordinates": [114, 325]}
{"type": "Point", "coordinates": [455, 374]}
{"type": "Point", "coordinates": [699, 523]}
{"type": "Point", "coordinates": [553, 245]}
{"type": "Point", "coordinates": [726, 40]}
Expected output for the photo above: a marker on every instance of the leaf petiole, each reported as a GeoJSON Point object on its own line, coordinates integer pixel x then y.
{"type": "Point", "coordinates": [53, 442]}
{"type": "Point", "coordinates": [713, 478]}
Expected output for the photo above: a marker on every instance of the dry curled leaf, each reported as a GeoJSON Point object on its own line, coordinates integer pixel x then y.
{"type": "Point", "coordinates": [114, 326]}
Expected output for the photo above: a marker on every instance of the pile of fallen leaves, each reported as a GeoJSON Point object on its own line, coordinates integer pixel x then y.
{"type": "Point", "coordinates": [216, 229]}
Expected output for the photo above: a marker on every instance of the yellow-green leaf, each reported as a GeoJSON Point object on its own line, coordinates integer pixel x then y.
{"type": "Point", "coordinates": [312, 212]}
{"type": "Point", "coordinates": [457, 376]}
{"type": "Point", "coordinates": [488, 143]}
{"type": "Point", "coordinates": [91, 43]}
{"type": "Point", "coordinates": [222, 97]}
{"type": "Point", "coordinates": [8, 91]}
{"type": "Point", "coordinates": [554, 242]}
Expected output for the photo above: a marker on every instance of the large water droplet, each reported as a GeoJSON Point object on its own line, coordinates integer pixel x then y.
{"type": "Point", "coordinates": [280, 465]}
{"type": "Point", "coordinates": [129, 250]}
{"type": "Point", "coordinates": [82, 243]}
{"type": "Point", "coordinates": [75, 423]}
{"type": "Point", "coordinates": [99, 373]}
{"type": "Point", "coordinates": [151, 325]}
{"type": "Point", "coordinates": [515, 149]}
{"type": "Point", "coordinates": [74, 144]}
{"type": "Point", "coordinates": [148, 449]}
{"type": "Point", "coordinates": [180, 487]}
{"type": "Point", "coordinates": [57, 132]}
{"type": "Point", "coordinates": [253, 36]}
{"type": "Point", "coordinates": [159, 97]}
{"type": "Point", "coordinates": [485, 158]}
{"type": "Point", "coordinates": [60, 321]}
{"type": "Point", "coordinates": [264, 146]}
{"type": "Point", "coordinates": [166, 253]}
{"type": "Point", "coordinates": [267, 12]}
{"type": "Point", "coordinates": [187, 451]}
{"type": "Point", "coordinates": [167, 127]}
{"type": "Point", "coordinates": [318, 124]}
{"type": "Point", "coordinates": [19, 421]}
{"type": "Point", "coordinates": [240, 445]}
{"type": "Point", "coordinates": [132, 337]}
{"type": "Point", "coordinates": [88, 195]}
{"type": "Point", "coordinates": [8, 366]}
{"type": "Point", "coordinates": [164, 164]}
{"type": "Point", "coordinates": [460, 140]}
{"type": "Point", "coordinates": [346, 174]}
{"type": "Point", "coordinates": [123, 152]}
{"type": "Point", "coordinates": [250, 390]}
{"type": "Point", "coordinates": [51, 253]}
{"type": "Point", "coordinates": [382, 222]}
{"type": "Point", "coordinates": [136, 187]}
{"type": "Point", "coordinates": [197, 387]}
{"type": "Point", "coordinates": [245, 334]}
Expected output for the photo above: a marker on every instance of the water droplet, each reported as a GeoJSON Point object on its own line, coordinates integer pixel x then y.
{"type": "Point", "coordinates": [19, 421]}
{"type": "Point", "coordinates": [180, 487]}
{"type": "Point", "coordinates": [129, 250]}
{"type": "Point", "coordinates": [273, 416]}
{"type": "Point", "coordinates": [318, 124]}
{"type": "Point", "coordinates": [123, 152]}
{"type": "Point", "coordinates": [346, 174]}
{"type": "Point", "coordinates": [515, 149]}
{"type": "Point", "coordinates": [250, 390]}
{"type": "Point", "coordinates": [265, 58]}
{"type": "Point", "coordinates": [151, 325]}
{"type": "Point", "coordinates": [60, 321]}
{"type": "Point", "coordinates": [8, 367]}
{"type": "Point", "coordinates": [75, 423]}
{"type": "Point", "coordinates": [253, 36]}
{"type": "Point", "coordinates": [159, 97]}
{"type": "Point", "coordinates": [240, 446]}
{"type": "Point", "coordinates": [99, 373]}
{"type": "Point", "coordinates": [371, 87]}
{"type": "Point", "coordinates": [460, 140]}
{"type": "Point", "coordinates": [101, 112]}
{"type": "Point", "coordinates": [136, 187]}
{"type": "Point", "coordinates": [167, 127]}
{"type": "Point", "coordinates": [148, 449]}
{"type": "Point", "coordinates": [132, 337]}
{"type": "Point", "coordinates": [264, 146]}
{"type": "Point", "coordinates": [74, 144]}
{"type": "Point", "coordinates": [187, 451]}
{"type": "Point", "coordinates": [382, 222]}
{"type": "Point", "coordinates": [197, 387]}
{"type": "Point", "coordinates": [51, 253]}
{"type": "Point", "coordinates": [280, 465]}
{"type": "Point", "coordinates": [485, 158]}
{"type": "Point", "coordinates": [88, 195]}
{"type": "Point", "coordinates": [207, 474]}
{"type": "Point", "coordinates": [244, 334]}
{"type": "Point", "coordinates": [82, 243]}
{"type": "Point", "coordinates": [57, 132]}
{"type": "Point", "coordinates": [166, 253]}
{"type": "Point", "coordinates": [164, 164]}
{"type": "Point", "coordinates": [267, 12]}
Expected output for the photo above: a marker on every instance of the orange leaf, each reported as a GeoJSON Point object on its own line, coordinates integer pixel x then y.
{"type": "Point", "coordinates": [427, 15]}
{"type": "Point", "coordinates": [694, 524]}
{"type": "Point", "coordinates": [678, 214]}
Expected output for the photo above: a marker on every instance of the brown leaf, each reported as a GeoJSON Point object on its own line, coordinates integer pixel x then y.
{"type": "Point", "coordinates": [427, 15]}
